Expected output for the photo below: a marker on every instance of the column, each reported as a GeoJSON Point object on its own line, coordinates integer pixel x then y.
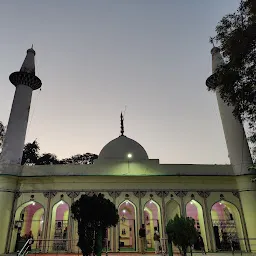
{"type": "Point", "coordinates": [49, 195]}
{"type": "Point", "coordinates": [181, 195]}
{"type": "Point", "coordinates": [71, 224]}
{"type": "Point", "coordinates": [208, 221]}
{"type": "Point", "coordinates": [114, 195]}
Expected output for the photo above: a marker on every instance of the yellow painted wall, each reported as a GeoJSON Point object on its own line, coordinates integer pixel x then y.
{"type": "Point", "coordinates": [6, 200]}
{"type": "Point", "coordinates": [6, 203]}
{"type": "Point", "coordinates": [248, 198]}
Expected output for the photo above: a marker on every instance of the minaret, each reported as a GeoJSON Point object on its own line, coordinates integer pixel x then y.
{"type": "Point", "coordinates": [238, 149]}
{"type": "Point", "coordinates": [25, 82]}
{"type": "Point", "coordinates": [239, 154]}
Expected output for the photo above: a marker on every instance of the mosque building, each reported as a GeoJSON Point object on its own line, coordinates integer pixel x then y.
{"type": "Point", "coordinates": [221, 198]}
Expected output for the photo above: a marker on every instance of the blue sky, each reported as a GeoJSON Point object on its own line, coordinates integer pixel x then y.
{"type": "Point", "coordinates": [96, 57]}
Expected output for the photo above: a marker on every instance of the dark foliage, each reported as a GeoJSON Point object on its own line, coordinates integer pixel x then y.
{"type": "Point", "coordinates": [30, 153]}
{"type": "Point", "coordinates": [236, 37]}
{"type": "Point", "coordinates": [47, 159]}
{"type": "Point", "coordinates": [87, 158]}
{"type": "Point", "coordinates": [182, 232]}
{"type": "Point", "coordinates": [94, 215]}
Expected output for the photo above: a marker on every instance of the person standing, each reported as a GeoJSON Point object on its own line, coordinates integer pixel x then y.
{"type": "Point", "coordinates": [156, 240]}
{"type": "Point", "coordinates": [142, 235]}
{"type": "Point", "coordinates": [201, 244]}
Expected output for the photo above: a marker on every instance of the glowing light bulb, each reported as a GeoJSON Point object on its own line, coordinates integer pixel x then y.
{"type": "Point", "coordinates": [33, 203]}
{"type": "Point", "coordinates": [129, 155]}
{"type": "Point", "coordinates": [124, 211]}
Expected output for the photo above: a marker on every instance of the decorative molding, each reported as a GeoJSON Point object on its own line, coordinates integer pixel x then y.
{"type": "Point", "coordinates": [73, 194]}
{"type": "Point", "coordinates": [140, 194]}
{"type": "Point", "coordinates": [162, 194]}
{"type": "Point", "coordinates": [236, 194]}
{"type": "Point", "coordinates": [50, 194]}
{"type": "Point", "coordinates": [180, 193]}
{"type": "Point", "coordinates": [114, 194]}
{"type": "Point", "coordinates": [23, 191]}
{"type": "Point", "coordinates": [204, 194]}
{"type": "Point", "coordinates": [222, 197]}
{"type": "Point", "coordinates": [91, 193]}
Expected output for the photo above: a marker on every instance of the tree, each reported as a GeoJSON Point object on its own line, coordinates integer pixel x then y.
{"type": "Point", "coordinates": [236, 79]}
{"type": "Point", "coordinates": [2, 133]}
{"type": "Point", "coordinates": [94, 215]}
{"type": "Point", "coordinates": [87, 158]}
{"type": "Point", "coordinates": [30, 153]}
{"type": "Point", "coordinates": [47, 159]}
{"type": "Point", "coordinates": [182, 232]}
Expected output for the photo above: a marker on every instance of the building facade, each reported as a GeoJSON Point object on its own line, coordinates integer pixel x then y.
{"type": "Point", "coordinates": [221, 198]}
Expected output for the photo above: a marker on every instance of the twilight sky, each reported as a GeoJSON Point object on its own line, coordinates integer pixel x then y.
{"type": "Point", "coordinates": [96, 57]}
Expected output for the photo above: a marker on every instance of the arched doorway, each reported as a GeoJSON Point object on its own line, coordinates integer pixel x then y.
{"type": "Point", "coordinates": [59, 226]}
{"type": "Point", "coordinates": [127, 226]}
{"type": "Point", "coordinates": [29, 218]}
{"type": "Point", "coordinates": [227, 226]}
{"type": "Point", "coordinates": [172, 209]}
{"type": "Point", "coordinates": [152, 219]}
{"type": "Point", "coordinates": [194, 210]}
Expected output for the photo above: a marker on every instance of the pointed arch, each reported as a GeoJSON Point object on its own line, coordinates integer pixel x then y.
{"type": "Point", "coordinates": [195, 210]}
{"type": "Point", "coordinates": [152, 219]}
{"type": "Point", "coordinates": [172, 209]}
{"type": "Point", "coordinates": [29, 216]}
{"type": "Point", "coordinates": [227, 226]}
{"type": "Point", "coordinates": [59, 225]}
{"type": "Point", "coordinates": [127, 225]}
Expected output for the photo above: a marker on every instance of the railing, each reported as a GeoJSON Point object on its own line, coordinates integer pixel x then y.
{"type": "Point", "coordinates": [63, 246]}
{"type": "Point", "coordinates": [244, 245]}
{"type": "Point", "coordinates": [55, 246]}
{"type": "Point", "coordinates": [25, 248]}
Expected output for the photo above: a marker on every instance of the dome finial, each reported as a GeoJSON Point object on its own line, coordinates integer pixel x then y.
{"type": "Point", "coordinates": [122, 124]}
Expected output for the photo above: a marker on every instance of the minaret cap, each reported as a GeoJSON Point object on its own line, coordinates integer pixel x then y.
{"type": "Point", "coordinates": [26, 75]}
{"type": "Point", "coordinates": [28, 65]}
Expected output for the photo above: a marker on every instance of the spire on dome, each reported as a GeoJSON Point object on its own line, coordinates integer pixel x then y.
{"type": "Point", "coordinates": [122, 124]}
{"type": "Point", "coordinates": [28, 65]}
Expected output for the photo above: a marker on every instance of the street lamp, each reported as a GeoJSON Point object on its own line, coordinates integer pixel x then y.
{"type": "Point", "coordinates": [129, 155]}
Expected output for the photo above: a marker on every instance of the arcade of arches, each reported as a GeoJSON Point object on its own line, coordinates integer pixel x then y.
{"type": "Point", "coordinates": [48, 218]}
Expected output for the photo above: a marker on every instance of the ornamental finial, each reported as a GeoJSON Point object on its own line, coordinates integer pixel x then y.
{"type": "Point", "coordinates": [122, 124]}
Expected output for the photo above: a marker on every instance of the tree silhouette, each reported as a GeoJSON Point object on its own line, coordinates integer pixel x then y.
{"type": "Point", "coordinates": [87, 158]}
{"type": "Point", "coordinates": [182, 232]}
{"type": "Point", "coordinates": [47, 159]}
{"type": "Point", "coordinates": [236, 79]}
{"type": "Point", "coordinates": [94, 215]}
{"type": "Point", "coordinates": [30, 153]}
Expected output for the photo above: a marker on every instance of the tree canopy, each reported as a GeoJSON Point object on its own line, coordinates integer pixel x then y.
{"type": "Point", "coordinates": [32, 156]}
{"type": "Point", "coordinates": [236, 38]}
{"type": "Point", "coordinates": [94, 215]}
{"type": "Point", "coordinates": [182, 232]}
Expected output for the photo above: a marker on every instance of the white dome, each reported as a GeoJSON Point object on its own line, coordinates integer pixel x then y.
{"type": "Point", "coordinates": [123, 148]}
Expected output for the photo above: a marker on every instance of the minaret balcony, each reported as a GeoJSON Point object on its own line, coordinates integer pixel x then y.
{"type": "Point", "coordinates": [24, 78]}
